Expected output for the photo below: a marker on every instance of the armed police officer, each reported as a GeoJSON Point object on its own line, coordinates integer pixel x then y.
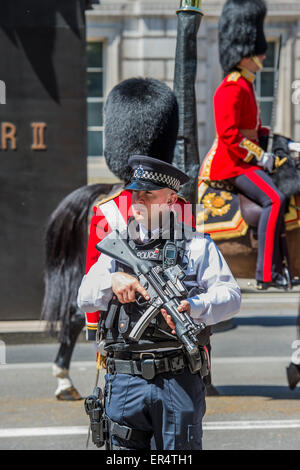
{"type": "Point", "coordinates": [150, 390]}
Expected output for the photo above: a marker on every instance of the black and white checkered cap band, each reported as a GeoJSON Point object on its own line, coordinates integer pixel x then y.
{"type": "Point", "coordinates": [167, 180]}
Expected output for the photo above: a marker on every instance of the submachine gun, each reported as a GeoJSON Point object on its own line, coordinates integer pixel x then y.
{"type": "Point", "coordinates": [165, 289]}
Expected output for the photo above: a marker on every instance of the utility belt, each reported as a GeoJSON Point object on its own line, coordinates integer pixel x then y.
{"type": "Point", "coordinates": [148, 364]}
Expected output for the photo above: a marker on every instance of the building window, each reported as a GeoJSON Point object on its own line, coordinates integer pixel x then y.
{"type": "Point", "coordinates": [264, 83]}
{"type": "Point", "coordinates": [95, 99]}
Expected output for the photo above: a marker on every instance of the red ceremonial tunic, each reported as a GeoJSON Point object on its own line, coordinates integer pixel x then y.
{"type": "Point", "coordinates": [110, 214]}
{"type": "Point", "coordinates": [238, 127]}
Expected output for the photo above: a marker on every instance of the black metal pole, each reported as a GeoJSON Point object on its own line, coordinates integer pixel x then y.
{"type": "Point", "coordinates": [187, 153]}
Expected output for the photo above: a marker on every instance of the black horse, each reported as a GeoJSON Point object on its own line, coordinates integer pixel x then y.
{"type": "Point", "coordinates": [65, 252]}
{"type": "Point", "coordinates": [287, 177]}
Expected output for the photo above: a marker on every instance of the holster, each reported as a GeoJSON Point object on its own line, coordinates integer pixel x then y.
{"type": "Point", "coordinates": [100, 432]}
{"type": "Point", "coordinates": [98, 420]}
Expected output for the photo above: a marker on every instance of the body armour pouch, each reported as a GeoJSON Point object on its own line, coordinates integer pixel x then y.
{"type": "Point", "coordinates": [124, 321]}
{"type": "Point", "coordinates": [111, 334]}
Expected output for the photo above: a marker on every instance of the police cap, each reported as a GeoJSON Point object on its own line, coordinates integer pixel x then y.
{"type": "Point", "coordinates": [150, 174]}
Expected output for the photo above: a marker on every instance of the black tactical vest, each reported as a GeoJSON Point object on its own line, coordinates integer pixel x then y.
{"type": "Point", "coordinates": [121, 318]}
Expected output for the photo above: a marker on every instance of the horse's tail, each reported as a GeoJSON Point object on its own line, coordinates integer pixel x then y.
{"type": "Point", "coordinates": [65, 250]}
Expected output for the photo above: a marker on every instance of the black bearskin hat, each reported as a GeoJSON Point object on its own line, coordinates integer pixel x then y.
{"type": "Point", "coordinates": [141, 118]}
{"type": "Point", "coordinates": [241, 31]}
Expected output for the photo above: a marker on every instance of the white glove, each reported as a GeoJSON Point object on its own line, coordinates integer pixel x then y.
{"type": "Point", "coordinates": [267, 162]}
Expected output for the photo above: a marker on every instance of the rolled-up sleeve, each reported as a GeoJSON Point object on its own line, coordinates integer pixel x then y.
{"type": "Point", "coordinates": [222, 297]}
{"type": "Point", "coordinates": [95, 291]}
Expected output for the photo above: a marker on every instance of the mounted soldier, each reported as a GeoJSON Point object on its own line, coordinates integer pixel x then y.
{"type": "Point", "coordinates": [238, 156]}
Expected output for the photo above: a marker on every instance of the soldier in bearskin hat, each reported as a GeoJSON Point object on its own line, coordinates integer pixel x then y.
{"type": "Point", "coordinates": [239, 151]}
{"type": "Point", "coordinates": [141, 118]}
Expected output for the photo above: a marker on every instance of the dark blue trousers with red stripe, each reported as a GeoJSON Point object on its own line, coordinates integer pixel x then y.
{"type": "Point", "coordinates": [259, 187]}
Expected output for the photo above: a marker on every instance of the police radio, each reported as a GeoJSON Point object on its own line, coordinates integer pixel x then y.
{"type": "Point", "coordinates": [170, 253]}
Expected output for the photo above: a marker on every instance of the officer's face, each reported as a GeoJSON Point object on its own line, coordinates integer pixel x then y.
{"type": "Point", "coordinates": [147, 205]}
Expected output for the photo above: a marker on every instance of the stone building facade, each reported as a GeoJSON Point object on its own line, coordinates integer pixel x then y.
{"type": "Point", "coordinates": [138, 38]}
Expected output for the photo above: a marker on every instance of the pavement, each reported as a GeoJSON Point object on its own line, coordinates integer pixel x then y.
{"type": "Point", "coordinates": [29, 332]}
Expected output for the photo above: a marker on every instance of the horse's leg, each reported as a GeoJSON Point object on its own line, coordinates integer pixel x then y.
{"type": "Point", "coordinates": [65, 389]}
{"type": "Point", "coordinates": [293, 375]}
{"type": "Point", "coordinates": [293, 369]}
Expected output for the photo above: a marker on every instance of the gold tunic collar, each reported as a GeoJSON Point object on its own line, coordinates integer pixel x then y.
{"type": "Point", "coordinates": [247, 74]}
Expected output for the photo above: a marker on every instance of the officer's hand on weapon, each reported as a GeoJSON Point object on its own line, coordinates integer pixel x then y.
{"type": "Point", "coordinates": [126, 286]}
{"type": "Point", "coordinates": [184, 306]}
